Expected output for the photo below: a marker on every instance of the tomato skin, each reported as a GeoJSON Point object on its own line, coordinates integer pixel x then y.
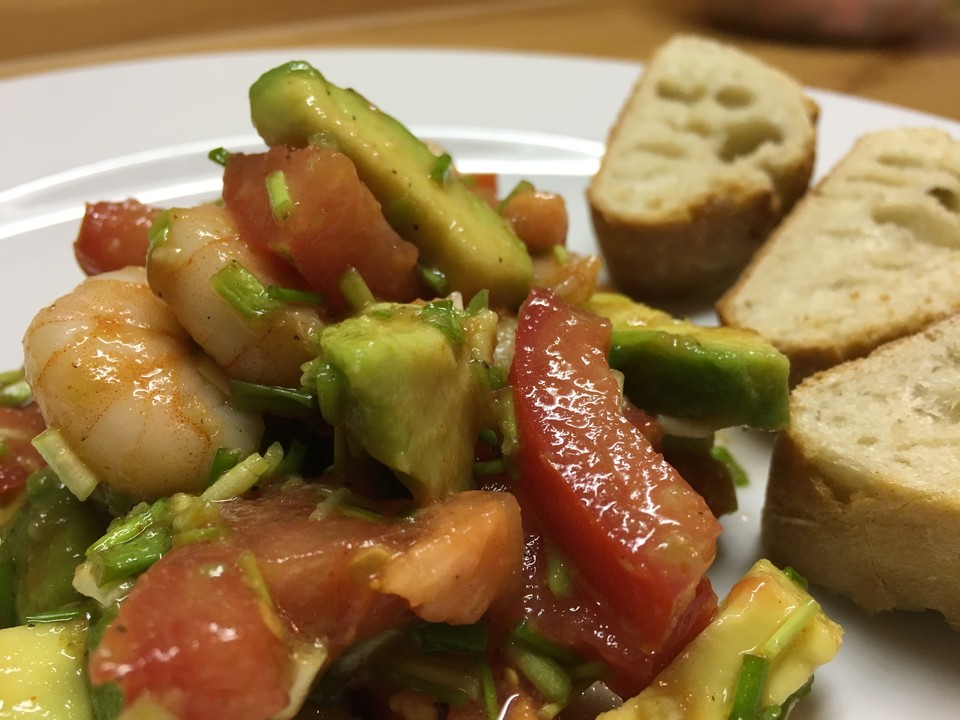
{"type": "Point", "coordinates": [636, 532]}
{"type": "Point", "coordinates": [193, 636]}
{"type": "Point", "coordinates": [113, 235]}
{"type": "Point", "coordinates": [336, 223]}
{"type": "Point", "coordinates": [18, 426]}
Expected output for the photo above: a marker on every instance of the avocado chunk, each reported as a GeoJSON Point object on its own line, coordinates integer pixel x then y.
{"type": "Point", "coordinates": [717, 376]}
{"type": "Point", "coordinates": [456, 232]}
{"type": "Point", "coordinates": [405, 384]}
{"type": "Point", "coordinates": [43, 671]}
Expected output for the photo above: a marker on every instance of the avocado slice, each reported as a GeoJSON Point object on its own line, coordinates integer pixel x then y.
{"type": "Point", "coordinates": [405, 385]}
{"type": "Point", "coordinates": [456, 232]}
{"type": "Point", "coordinates": [718, 376]}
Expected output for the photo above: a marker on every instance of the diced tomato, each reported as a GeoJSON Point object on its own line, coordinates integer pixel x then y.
{"type": "Point", "coordinates": [335, 222]}
{"type": "Point", "coordinates": [636, 532]}
{"type": "Point", "coordinates": [113, 235]}
{"type": "Point", "coordinates": [483, 185]}
{"type": "Point", "coordinates": [193, 634]}
{"type": "Point", "coordinates": [18, 426]}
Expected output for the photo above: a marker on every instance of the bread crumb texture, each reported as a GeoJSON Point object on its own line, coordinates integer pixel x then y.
{"type": "Point", "coordinates": [710, 149]}
{"type": "Point", "coordinates": [871, 254]}
{"type": "Point", "coordinates": [864, 488]}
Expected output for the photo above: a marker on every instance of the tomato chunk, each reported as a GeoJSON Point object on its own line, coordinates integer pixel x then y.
{"type": "Point", "coordinates": [640, 537]}
{"type": "Point", "coordinates": [113, 235]}
{"type": "Point", "coordinates": [18, 426]}
{"type": "Point", "coordinates": [334, 223]}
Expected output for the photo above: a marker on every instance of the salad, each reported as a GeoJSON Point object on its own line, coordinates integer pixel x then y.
{"type": "Point", "coordinates": [349, 442]}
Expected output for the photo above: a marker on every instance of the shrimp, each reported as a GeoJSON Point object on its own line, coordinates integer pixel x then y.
{"type": "Point", "coordinates": [113, 371]}
{"type": "Point", "coordinates": [269, 348]}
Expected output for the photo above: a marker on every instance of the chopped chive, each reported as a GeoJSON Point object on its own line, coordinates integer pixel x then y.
{"type": "Point", "coordinates": [329, 385]}
{"type": "Point", "coordinates": [488, 688]}
{"type": "Point", "coordinates": [15, 394]}
{"type": "Point", "coordinates": [543, 672]}
{"type": "Point", "coordinates": [273, 399]}
{"type": "Point", "coordinates": [795, 576]}
{"type": "Point", "coordinates": [130, 558]}
{"type": "Point", "coordinates": [245, 293]}
{"type": "Point", "coordinates": [250, 569]}
{"type": "Point", "coordinates": [68, 466]}
{"type": "Point", "coordinates": [128, 528]}
{"type": "Point", "coordinates": [496, 377]}
{"type": "Point", "coordinates": [359, 513]}
{"type": "Point", "coordinates": [435, 280]}
{"type": "Point", "coordinates": [521, 187]}
{"type": "Point", "coordinates": [219, 155]}
{"type": "Point", "coordinates": [737, 473]}
{"type": "Point", "coordinates": [559, 576]}
{"type": "Point", "coordinates": [204, 534]}
{"type": "Point", "coordinates": [443, 637]}
{"type": "Point", "coordinates": [588, 671]}
{"type": "Point", "coordinates": [525, 635]}
{"type": "Point", "coordinates": [159, 230]}
{"type": "Point", "coordinates": [487, 436]}
{"type": "Point", "coordinates": [278, 193]}
{"type": "Point", "coordinates": [441, 168]}
{"type": "Point", "coordinates": [330, 503]}
{"type": "Point", "coordinates": [791, 627]}
{"type": "Point", "coordinates": [479, 302]}
{"type": "Point", "coordinates": [245, 475]}
{"type": "Point", "coordinates": [291, 295]}
{"type": "Point", "coordinates": [57, 616]}
{"type": "Point", "coordinates": [293, 459]}
{"type": "Point", "coordinates": [355, 290]}
{"type": "Point", "coordinates": [453, 696]}
{"type": "Point", "coordinates": [560, 254]}
{"type": "Point", "coordinates": [486, 468]}
{"type": "Point", "coordinates": [442, 315]}
{"type": "Point", "coordinates": [507, 421]}
{"type": "Point", "coordinates": [749, 688]}
{"type": "Point", "coordinates": [225, 459]}
{"type": "Point", "coordinates": [11, 376]}
{"type": "Point", "coordinates": [446, 679]}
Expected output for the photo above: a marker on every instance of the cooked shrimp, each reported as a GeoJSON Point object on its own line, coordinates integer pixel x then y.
{"type": "Point", "coordinates": [268, 348]}
{"type": "Point", "coordinates": [131, 395]}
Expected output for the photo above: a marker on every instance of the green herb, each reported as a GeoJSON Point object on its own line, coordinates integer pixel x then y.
{"type": "Point", "coordinates": [485, 468]}
{"type": "Point", "coordinates": [204, 534]}
{"type": "Point", "coordinates": [130, 558]}
{"type": "Point", "coordinates": [278, 193]}
{"type": "Point", "coordinates": [749, 688]}
{"type": "Point", "coordinates": [355, 290]}
{"type": "Point", "coordinates": [441, 169]}
{"type": "Point", "coordinates": [560, 254]}
{"type": "Point", "coordinates": [737, 473]}
{"type": "Point", "coordinates": [488, 688]}
{"type": "Point", "coordinates": [68, 466]}
{"type": "Point", "coordinates": [795, 622]}
{"type": "Point", "coordinates": [479, 302]}
{"type": "Point", "coordinates": [225, 459]}
{"type": "Point", "coordinates": [293, 459]}
{"type": "Point", "coordinates": [487, 436]}
{"type": "Point", "coordinates": [442, 637]}
{"type": "Point", "coordinates": [59, 615]}
{"type": "Point", "coordinates": [435, 280]}
{"type": "Point", "coordinates": [125, 529]}
{"type": "Point", "coordinates": [521, 187]}
{"type": "Point", "coordinates": [14, 390]}
{"type": "Point", "coordinates": [291, 295]}
{"type": "Point", "coordinates": [159, 230]}
{"type": "Point", "coordinates": [543, 672]}
{"type": "Point", "coordinates": [245, 475]}
{"type": "Point", "coordinates": [795, 576]}
{"type": "Point", "coordinates": [219, 155]}
{"type": "Point", "coordinates": [245, 293]}
{"type": "Point", "coordinates": [273, 399]}
{"type": "Point", "coordinates": [524, 634]}
{"type": "Point", "coordinates": [442, 315]}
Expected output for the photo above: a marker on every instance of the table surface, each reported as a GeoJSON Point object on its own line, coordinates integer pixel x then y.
{"type": "Point", "coordinates": [44, 35]}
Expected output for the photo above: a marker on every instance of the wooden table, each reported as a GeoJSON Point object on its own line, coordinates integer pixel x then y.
{"type": "Point", "coordinates": [41, 35]}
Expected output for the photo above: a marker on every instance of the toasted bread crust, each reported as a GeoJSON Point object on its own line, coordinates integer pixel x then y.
{"type": "Point", "coordinates": [709, 151]}
{"type": "Point", "coordinates": [863, 495]}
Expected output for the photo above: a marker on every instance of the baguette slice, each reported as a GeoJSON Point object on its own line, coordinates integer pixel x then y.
{"type": "Point", "coordinates": [709, 151]}
{"type": "Point", "coordinates": [864, 489]}
{"type": "Point", "coordinates": [870, 255]}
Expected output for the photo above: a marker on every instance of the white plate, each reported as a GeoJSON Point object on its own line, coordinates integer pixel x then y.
{"type": "Point", "coordinates": [143, 129]}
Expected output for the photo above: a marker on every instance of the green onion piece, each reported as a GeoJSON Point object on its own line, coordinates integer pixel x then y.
{"type": "Point", "coordinates": [588, 671]}
{"type": "Point", "coordinates": [219, 155]}
{"type": "Point", "coordinates": [245, 475]}
{"type": "Point", "coordinates": [59, 615]}
{"type": "Point", "coordinates": [291, 295]}
{"type": "Point", "coordinates": [130, 558]}
{"type": "Point", "coordinates": [15, 394]}
{"type": "Point", "coordinates": [521, 187]}
{"type": "Point", "coordinates": [749, 688]}
{"type": "Point", "coordinates": [126, 529]}
{"type": "Point", "coordinates": [329, 385]}
{"type": "Point", "coordinates": [507, 421]}
{"type": "Point", "coordinates": [486, 468]}
{"type": "Point", "coordinates": [68, 466]}
{"type": "Point", "coordinates": [446, 680]}
{"type": "Point", "coordinates": [11, 376]}
{"type": "Point", "coordinates": [543, 672]}
{"type": "Point", "coordinates": [452, 696]}
{"type": "Point", "coordinates": [159, 230]}
{"type": "Point", "coordinates": [560, 254]}
{"type": "Point", "coordinates": [488, 689]}
{"type": "Point", "coordinates": [525, 635]}
{"type": "Point", "coordinates": [330, 503]}
{"type": "Point", "coordinates": [559, 576]}
{"type": "Point", "coordinates": [435, 280]}
{"type": "Point", "coordinates": [737, 473]}
{"type": "Point", "coordinates": [442, 315]}
{"type": "Point", "coordinates": [245, 293]}
{"type": "Point", "coordinates": [204, 534]}
{"type": "Point", "coordinates": [443, 637]}
{"type": "Point", "coordinates": [795, 576]}
{"type": "Point", "coordinates": [293, 459]}
{"type": "Point", "coordinates": [791, 627]}
{"type": "Point", "coordinates": [487, 436]}
{"type": "Point", "coordinates": [479, 302]}
{"type": "Point", "coordinates": [286, 402]}
{"type": "Point", "coordinates": [359, 513]}
{"type": "Point", "coordinates": [278, 193]}
{"type": "Point", "coordinates": [250, 569]}
{"type": "Point", "coordinates": [496, 377]}
{"type": "Point", "coordinates": [355, 290]}
{"type": "Point", "coordinates": [225, 459]}
{"type": "Point", "coordinates": [440, 170]}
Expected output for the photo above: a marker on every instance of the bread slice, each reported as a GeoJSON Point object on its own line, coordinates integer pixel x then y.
{"type": "Point", "coordinates": [871, 254]}
{"type": "Point", "coordinates": [709, 151]}
{"type": "Point", "coordinates": [864, 489]}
